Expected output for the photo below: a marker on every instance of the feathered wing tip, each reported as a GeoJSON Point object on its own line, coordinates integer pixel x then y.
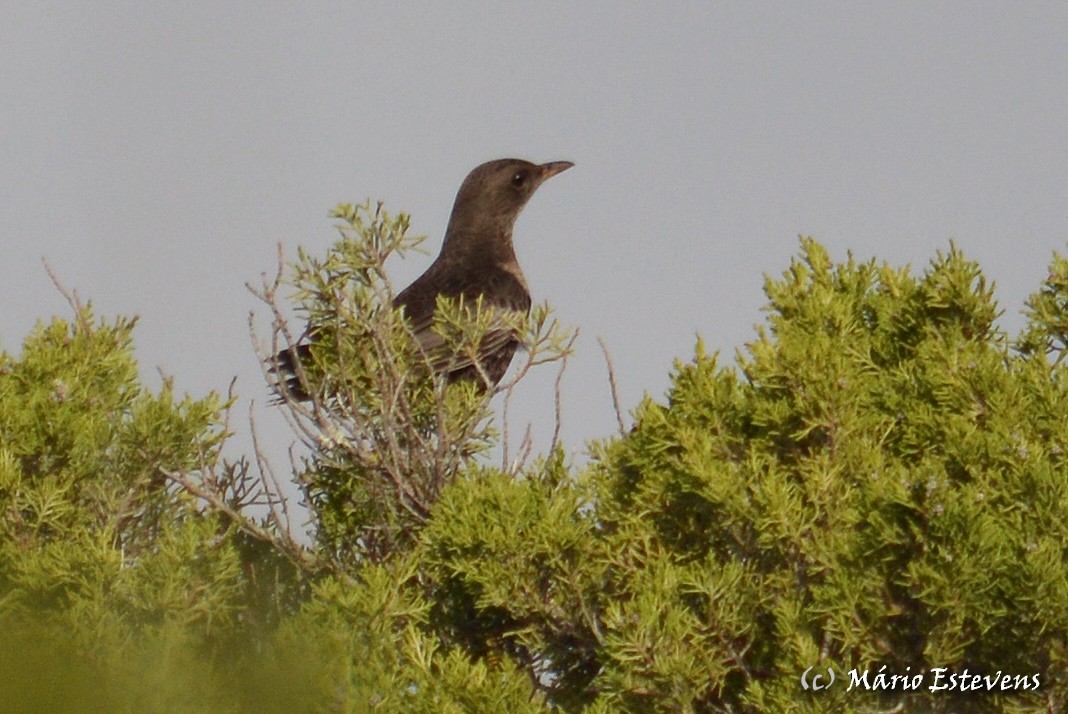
{"type": "Point", "coordinates": [495, 353]}
{"type": "Point", "coordinates": [283, 368]}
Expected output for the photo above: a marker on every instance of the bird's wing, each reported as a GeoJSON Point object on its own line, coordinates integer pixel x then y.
{"type": "Point", "coordinates": [501, 292]}
{"type": "Point", "coordinates": [444, 357]}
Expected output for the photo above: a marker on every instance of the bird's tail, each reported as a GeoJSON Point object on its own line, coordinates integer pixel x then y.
{"type": "Point", "coordinates": [285, 369]}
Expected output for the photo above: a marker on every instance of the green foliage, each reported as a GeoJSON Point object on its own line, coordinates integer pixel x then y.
{"type": "Point", "coordinates": [381, 430]}
{"type": "Point", "coordinates": [365, 646]}
{"type": "Point", "coordinates": [386, 436]}
{"type": "Point", "coordinates": [886, 486]}
{"type": "Point", "coordinates": [83, 487]}
{"type": "Point", "coordinates": [878, 484]}
{"type": "Point", "coordinates": [102, 562]}
{"type": "Point", "coordinates": [515, 573]}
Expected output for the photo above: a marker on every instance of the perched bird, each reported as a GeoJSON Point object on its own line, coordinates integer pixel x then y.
{"type": "Point", "coordinates": [476, 259]}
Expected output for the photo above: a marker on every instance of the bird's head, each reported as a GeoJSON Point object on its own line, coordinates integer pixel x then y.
{"type": "Point", "coordinates": [493, 194]}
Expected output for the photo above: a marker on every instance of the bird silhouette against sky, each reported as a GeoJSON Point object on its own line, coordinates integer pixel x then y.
{"type": "Point", "coordinates": [477, 260]}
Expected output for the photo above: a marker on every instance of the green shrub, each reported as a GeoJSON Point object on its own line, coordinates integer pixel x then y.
{"type": "Point", "coordinates": [877, 486]}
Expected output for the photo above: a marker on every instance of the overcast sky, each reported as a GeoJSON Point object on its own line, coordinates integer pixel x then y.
{"type": "Point", "coordinates": [156, 153]}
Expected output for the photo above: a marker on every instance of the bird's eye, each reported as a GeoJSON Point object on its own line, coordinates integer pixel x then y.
{"type": "Point", "coordinates": [519, 179]}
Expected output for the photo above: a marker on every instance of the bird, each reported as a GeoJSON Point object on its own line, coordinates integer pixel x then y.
{"type": "Point", "coordinates": [477, 262]}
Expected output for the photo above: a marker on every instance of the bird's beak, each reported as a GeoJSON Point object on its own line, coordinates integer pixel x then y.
{"type": "Point", "coordinates": [554, 167]}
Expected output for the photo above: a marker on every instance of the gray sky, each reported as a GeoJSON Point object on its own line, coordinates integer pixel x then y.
{"type": "Point", "coordinates": [157, 153]}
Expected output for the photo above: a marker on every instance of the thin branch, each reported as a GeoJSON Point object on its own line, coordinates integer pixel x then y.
{"type": "Point", "coordinates": [558, 414]}
{"type": "Point", "coordinates": [71, 296]}
{"type": "Point", "coordinates": [297, 554]}
{"type": "Point", "coordinates": [277, 503]}
{"type": "Point", "coordinates": [612, 385]}
{"type": "Point", "coordinates": [526, 446]}
{"type": "Point", "coordinates": [506, 406]}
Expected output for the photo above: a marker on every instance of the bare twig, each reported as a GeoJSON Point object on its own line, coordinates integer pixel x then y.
{"type": "Point", "coordinates": [612, 385]}
{"type": "Point", "coordinates": [300, 556]}
{"type": "Point", "coordinates": [558, 415]}
{"type": "Point", "coordinates": [526, 446]}
{"type": "Point", "coordinates": [506, 406]}
{"type": "Point", "coordinates": [71, 296]}
{"type": "Point", "coordinates": [277, 503]}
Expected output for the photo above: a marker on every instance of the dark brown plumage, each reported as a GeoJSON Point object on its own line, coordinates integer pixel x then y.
{"type": "Point", "coordinates": [476, 259]}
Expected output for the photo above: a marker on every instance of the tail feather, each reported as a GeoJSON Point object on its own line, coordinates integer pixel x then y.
{"type": "Point", "coordinates": [283, 366]}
